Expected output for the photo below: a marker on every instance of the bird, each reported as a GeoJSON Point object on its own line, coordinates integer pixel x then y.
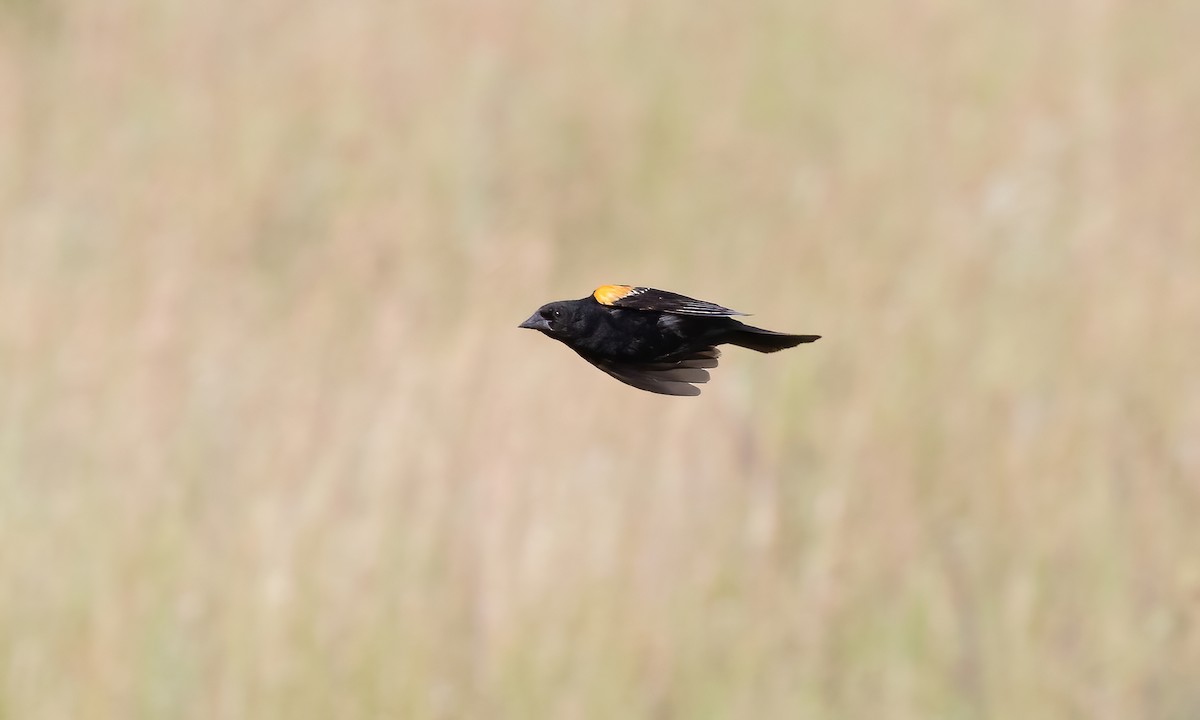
{"type": "Point", "coordinates": [653, 340]}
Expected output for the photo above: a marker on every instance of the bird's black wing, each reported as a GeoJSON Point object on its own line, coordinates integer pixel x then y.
{"type": "Point", "coordinates": [665, 378]}
{"type": "Point", "coordinates": [630, 297]}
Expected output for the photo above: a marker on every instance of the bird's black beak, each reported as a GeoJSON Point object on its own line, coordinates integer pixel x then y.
{"type": "Point", "coordinates": [536, 322]}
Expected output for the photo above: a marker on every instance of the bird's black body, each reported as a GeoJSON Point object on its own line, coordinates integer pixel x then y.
{"type": "Point", "coordinates": [652, 339]}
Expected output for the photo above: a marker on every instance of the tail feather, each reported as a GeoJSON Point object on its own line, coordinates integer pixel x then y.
{"type": "Point", "coordinates": [766, 341]}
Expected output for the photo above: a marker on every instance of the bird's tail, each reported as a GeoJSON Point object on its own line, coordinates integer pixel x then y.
{"type": "Point", "coordinates": [766, 341]}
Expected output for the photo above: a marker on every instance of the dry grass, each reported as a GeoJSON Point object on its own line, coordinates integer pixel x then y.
{"type": "Point", "coordinates": [271, 445]}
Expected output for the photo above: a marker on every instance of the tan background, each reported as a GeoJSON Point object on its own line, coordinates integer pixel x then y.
{"type": "Point", "coordinates": [271, 445]}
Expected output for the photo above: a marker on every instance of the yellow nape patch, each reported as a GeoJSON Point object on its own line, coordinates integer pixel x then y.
{"type": "Point", "coordinates": [609, 294]}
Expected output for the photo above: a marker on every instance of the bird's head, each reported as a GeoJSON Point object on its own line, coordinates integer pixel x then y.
{"type": "Point", "coordinates": [554, 319]}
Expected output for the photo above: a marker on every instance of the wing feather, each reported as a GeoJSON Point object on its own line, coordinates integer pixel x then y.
{"type": "Point", "coordinates": [665, 378]}
{"type": "Point", "coordinates": [631, 297]}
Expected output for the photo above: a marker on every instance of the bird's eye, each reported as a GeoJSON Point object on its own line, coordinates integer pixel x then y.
{"type": "Point", "coordinates": [558, 313]}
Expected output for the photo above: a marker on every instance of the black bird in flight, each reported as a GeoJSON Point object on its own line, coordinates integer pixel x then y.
{"type": "Point", "coordinates": [652, 339]}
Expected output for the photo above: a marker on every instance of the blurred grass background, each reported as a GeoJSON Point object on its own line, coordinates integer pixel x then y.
{"type": "Point", "coordinates": [271, 445]}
